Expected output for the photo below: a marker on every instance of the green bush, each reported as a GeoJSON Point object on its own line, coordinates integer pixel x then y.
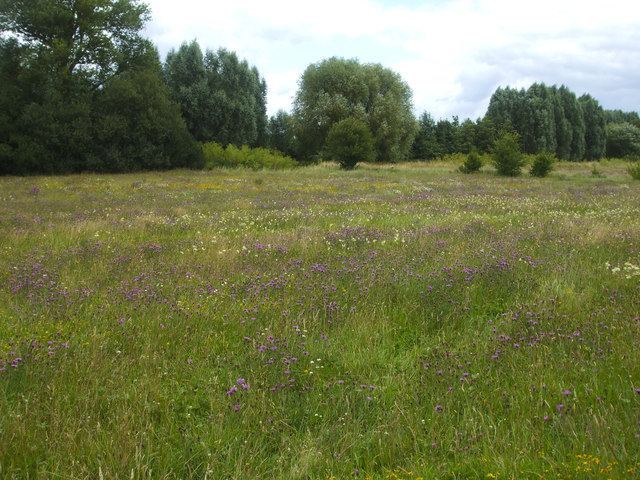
{"type": "Point", "coordinates": [255, 158]}
{"type": "Point", "coordinates": [349, 142]}
{"type": "Point", "coordinates": [472, 164]}
{"type": "Point", "coordinates": [506, 155]}
{"type": "Point", "coordinates": [542, 165]}
{"type": "Point", "coordinates": [634, 171]}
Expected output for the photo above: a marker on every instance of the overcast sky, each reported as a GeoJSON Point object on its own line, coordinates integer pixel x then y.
{"type": "Point", "coordinates": [452, 53]}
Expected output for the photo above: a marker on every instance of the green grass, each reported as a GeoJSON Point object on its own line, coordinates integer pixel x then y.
{"type": "Point", "coordinates": [397, 321]}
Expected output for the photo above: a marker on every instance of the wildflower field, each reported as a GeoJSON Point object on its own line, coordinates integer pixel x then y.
{"type": "Point", "coordinates": [384, 323]}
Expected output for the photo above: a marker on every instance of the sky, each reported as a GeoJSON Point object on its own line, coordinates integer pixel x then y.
{"type": "Point", "coordinates": [452, 53]}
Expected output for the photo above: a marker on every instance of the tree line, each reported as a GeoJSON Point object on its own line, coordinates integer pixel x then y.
{"type": "Point", "coordinates": [82, 90]}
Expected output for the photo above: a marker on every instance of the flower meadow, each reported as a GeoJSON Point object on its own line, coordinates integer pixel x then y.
{"type": "Point", "coordinates": [383, 323]}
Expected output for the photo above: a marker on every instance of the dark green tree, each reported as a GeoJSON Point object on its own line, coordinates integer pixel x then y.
{"type": "Point", "coordinates": [82, 40]}
{"type": "Point", "coordinates": [186, 77]}
{"type": "Point", "coordinates": [222, 99]}
{"type": "Point", "coordinates": [70, 65]}
{"type": "Point", "coordinates": [595, 135]}
{"type": "Point", "coordinates": [618, 116]}
{"type": "Point", "coordinates": [281, 135]}
{"type": "Point", "coordinates": [467, 136]}
{"type": "Point", "coordinates": [137, 127]}
{"type": "Point", "coordinates": [506, 155]}
{"type": "Point", "coordinates": [349, 141]}
{"type": "Point", "coordinates": [536, 126]}
{"type": "Point", "coordinates": [336, 89]}
{"type": "Point", "coordinates": [425, 145]}
{"type": "Point", "coordinates": [447, 136]}
{"type": "Point", "coordinates": [239, 97]}
{"type": "Point", "coordinates": [486, 134]}
{"type": "Point", "coordinates": [623, 141]}
{"type": "Point", "coordinates": [573, 130]}
{"type": "Point", "coordinates": [505, 106]}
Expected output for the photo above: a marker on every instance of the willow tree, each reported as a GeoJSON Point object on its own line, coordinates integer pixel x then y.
{"type": "Point", "coordinates": [336, 89]}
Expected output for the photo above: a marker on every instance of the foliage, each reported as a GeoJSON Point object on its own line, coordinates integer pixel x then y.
{"type": "Point", "coordinates": [595, 135]}
{"type": "Point", "coordinates": [506, 155]}
{"type": "Point", "coordinates": [336, 89]}
{"type": "Point", "coordinates": [349, 141]}
{"type": "Point", "coordinates": [551, 119]}
{"type": "Point", "coordinates": [222, 98]}
{"type": "Point", "coordinates": [281, 134]}
{"type": "Point", "coordinates": [137, 127]}
{"type": "Point", "coordinates": [89, 41]}
{"type": "Point", "coordinates": [472, 164]}
{"type": "Point", "coordinates": [425, 145]}
{"type": "Point", "coordinates": [257, 158]}
{"type": "Point", "coordinates": [542, 164]}
{"type": "Point", "coordinates": [618, 116]}
{"type": "Point", "coordinates": [447, 136]}
{"type": "Point", "coordinates": [486, 134]}
{"type": "Point", "coordinates": [623, 140]}
{"type": "Point", "coordinates": [81, 90]}
{"type": "Point", "coordinates": [634, 170]}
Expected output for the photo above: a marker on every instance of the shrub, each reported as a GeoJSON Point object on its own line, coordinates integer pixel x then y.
{"type": "Point", "coordinates": [472, 164]}
{"type": "Point", "coordinates": [542, 165]}
{"type": "Point", "coordinates": [349, 142]}
{"type": "Point", "coordinates": [255, 158]}
{"type": "Point", "coordinates": [506, 155]}
{"type": "Point", "coordinates": [634, 171]}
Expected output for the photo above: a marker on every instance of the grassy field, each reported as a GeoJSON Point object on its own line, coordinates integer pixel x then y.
{"type": "Point", "coordinates": [396, 322]}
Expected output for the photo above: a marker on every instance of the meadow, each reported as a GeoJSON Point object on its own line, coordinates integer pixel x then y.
{"type": "Point", "coordinates": [391, 322]}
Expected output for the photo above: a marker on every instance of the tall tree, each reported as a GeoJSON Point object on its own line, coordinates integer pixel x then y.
{"type": "Point", "coordinates": [222, 99]}
{"type": "Point", "coordinates": [595, 134]}
{"type": "Point", "coordinates": [186, 77]}
{"type": "Point", "coordinates": [281, 135]}
{"type": "Point", "coordinates": [447, 136]}
{"type": "Point", "coordinates": [575, 125]}
{"type": "Point", "coordinates": [239, 99]}
{"type": "Point", "coordinates": [137, 127]}
{"type": "Point", "coordinates": [623, 140]}
{"type": "Point", "coordinates": [336, 89]}
{"type": "Point", "coordinates": [505, 106]}
{"type": "Point", "coordinates": [618, 116]}
{"type": "Point", "coordinates": [425, 144]}
{"type": "Point", "coordinates": [466, 136]}
{"type": "Point", "coordinates": [62, 62]}
{"type": "Point", "coordinates": [486, 134]}
{"type": "Point", "coordinates": [88, 40]}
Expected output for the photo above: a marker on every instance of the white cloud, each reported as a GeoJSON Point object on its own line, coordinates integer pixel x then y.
{"type": "Point", "coordinates": [453, 54]}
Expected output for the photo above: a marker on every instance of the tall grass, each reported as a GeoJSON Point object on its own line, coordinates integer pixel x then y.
{"type": "Point", "coordinates": [398, 322]}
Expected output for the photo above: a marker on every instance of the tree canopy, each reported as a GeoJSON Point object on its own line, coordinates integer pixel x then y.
{"type": "Point", "coordinates": [221, 98]}
{"type": "Point", "coordinates": [82, 91]}
{"type": "Point", "coordinates": [551, 119]}
{"type": "Point", "coordinates": [89, 40]}
{"type": "Point", "coordinates": [336, 89]}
